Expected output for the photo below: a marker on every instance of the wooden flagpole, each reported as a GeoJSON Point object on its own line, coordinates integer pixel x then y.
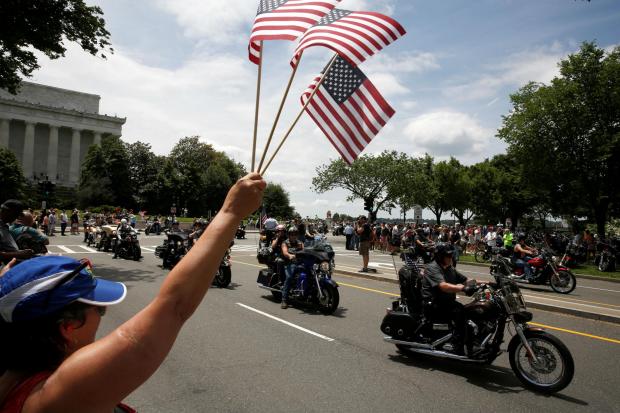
{"type": "Point", "coordinates": [275, 122]}
{"type": "Point", "coordinates": [260, 66]}
{"type": "Point", "coordinates": [301, 112]}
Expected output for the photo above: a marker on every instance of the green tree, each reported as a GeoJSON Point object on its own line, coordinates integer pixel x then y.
{"type": "Point", "coordinates": [143, 169]}
{"type": "Point", "coordinates": [11, 176]}
{"type": "Point", "coordinates": [368, 178]}
{"type": "Point", "coordinates": [45, 25]}
{"type": "Point", "coordinates": [105, 176]}
{"type": "Point", "coordinates": [410, 188]}
{"type": "Point", "coordinates": [95, 186]}
{"type": "Point", "coordinates": [568, 134]}
{"type": "Point", "coordinates": [277, 202]}
{"type": "Point", "coordinates": [202, 174]}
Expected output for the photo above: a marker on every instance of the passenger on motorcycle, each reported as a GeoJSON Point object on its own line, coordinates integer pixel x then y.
{"type": "Point", "coordinates": [276, 248]}
{"type": "Point", "coordinates": [289, 248]}
{"type": "Point", "coordinates": [440, 284]}
{"type": "Point", "coordinates": [122, 231]}
{"type": "Point", "coordinates": [522, 254]}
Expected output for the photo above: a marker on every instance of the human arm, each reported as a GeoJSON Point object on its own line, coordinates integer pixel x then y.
{"type": "Point", "coordinates": [285, 252]}
{"type": "Point", "coordinates": [98, 376]}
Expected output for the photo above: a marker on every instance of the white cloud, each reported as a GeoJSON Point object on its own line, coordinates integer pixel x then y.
{"type": "Point", "coordinates": [406, 62]}
{"type": "Point", "coordinates": [447, 133]}
{"type": "Point", "coordinates": [536, 65]}
{"type": "Point", "coordinates": [214, 21]}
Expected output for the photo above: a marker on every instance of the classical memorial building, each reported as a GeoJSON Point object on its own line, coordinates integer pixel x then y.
{"type": "Point", "coordinates": [50, 130]}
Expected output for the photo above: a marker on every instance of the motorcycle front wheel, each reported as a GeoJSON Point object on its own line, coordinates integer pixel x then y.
{"type": "Point", "coordinates": [331, 297]}
{"type": "Point", "coordinates": [553, 368]}
{"type": "Point", "coordinates": [563, 283]}
{"type": "Point", "coordinates": [482, 256]}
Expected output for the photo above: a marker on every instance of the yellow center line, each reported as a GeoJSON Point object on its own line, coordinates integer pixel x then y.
{"type": "Point", "coordinates": [564, 330]}
{"type": "Point", "coordinates": [369, 289]}
{"type": "Point", "coordinates": [611, 340]}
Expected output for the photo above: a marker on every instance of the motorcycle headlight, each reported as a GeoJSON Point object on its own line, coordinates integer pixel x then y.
{"type": "Point", "coordinates": [325, 266]}
{"type": "Point", "coordinates": [555, 259]}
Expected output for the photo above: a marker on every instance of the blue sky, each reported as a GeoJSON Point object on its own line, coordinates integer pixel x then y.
{"type": "Point", "coordinates": [180, 68]}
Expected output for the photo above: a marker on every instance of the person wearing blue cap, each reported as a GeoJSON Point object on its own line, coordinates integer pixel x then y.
{"type": "Point", "coordinates": [51, 307]}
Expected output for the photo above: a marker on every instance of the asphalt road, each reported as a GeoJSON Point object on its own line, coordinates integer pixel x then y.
{"type": "Point", "coordinates": [233, 356]}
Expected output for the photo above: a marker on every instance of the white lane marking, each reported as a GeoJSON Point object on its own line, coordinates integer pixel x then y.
{"type": "Point", "coordinates": [305, 330]}
{"type": "Point", "coordinates": [89, 249]}
{"type": "Point", "coordinates": [600, 289]}
{"type": "Point", "coordinates": [65, 249]}
{"type": "Point", "coordinates": [148, 249]}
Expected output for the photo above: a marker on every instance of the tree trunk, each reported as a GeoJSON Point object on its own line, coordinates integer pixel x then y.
{"type": "Point", "coordinates": [600, 213]}
{"type": "Point", "coordinates": [438, 217]}
{"type": "Point", "coordinates": [404, 217]}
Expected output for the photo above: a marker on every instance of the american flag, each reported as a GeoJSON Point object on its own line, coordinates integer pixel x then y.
{"type": "Point", "coordinates": [264, 217]}
{"type": "Point", "coordinates": [285, 20]}
{"type": "Point", "coordinates": [354, 35]}
{"type": "Point", "coordinates": [348, 108]}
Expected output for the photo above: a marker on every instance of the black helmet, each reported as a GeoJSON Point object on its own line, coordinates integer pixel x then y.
{"type": "Point", "coordinates": [521, 236]}
{"type": "Point", "coordinates": [444, 249]}
{"type": "Point", "coordinates": [293, 230]}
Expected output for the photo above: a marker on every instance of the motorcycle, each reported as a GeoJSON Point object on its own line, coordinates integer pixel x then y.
{"type": "Point", "coordinates": [313, 282]}
{"type": "Point", "coordinates": [91, 232]}
{"type": "Point", "coordinates": [105, 240]}
{"type": "Point", "coordinates": [173, 249]}
{"type": "Point", "coordinates": [540, 360]}
{"type": "Point", "coordinates": [223, 276]}
{"type": "Point", "coordinates": [177, 245]}
{"type": "Point", "coordinates": [240, 234]}
{"type": "Point", "coordinates": [574, 255]}
{"type": "Point", "coordinates": [152, 227]}
{"type": "Point", "coordinates": [606, 258]}
{"type": "Point", "coordinates": [421, 255]}
{"type": "Point", "coordinates": [546, 269]}
{"type": "Point", "coordinates": [129, 246]}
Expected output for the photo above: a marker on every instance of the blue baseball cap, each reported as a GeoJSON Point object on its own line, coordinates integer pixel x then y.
{"type": "Point", "coordinates": [44, 285]}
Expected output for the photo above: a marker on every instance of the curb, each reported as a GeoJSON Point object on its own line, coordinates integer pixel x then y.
{"type": "Point", "coordinates": [539, 306]}
{"type": "Point", "coordinates": [583, 276]}
{"type": "Point", "coordinates": [573, 312]}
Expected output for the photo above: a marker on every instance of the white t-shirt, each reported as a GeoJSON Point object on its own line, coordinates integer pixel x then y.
{"type": "Point", "coordinates": [490, 238]}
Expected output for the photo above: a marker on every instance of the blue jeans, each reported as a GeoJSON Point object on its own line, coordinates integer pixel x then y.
{"type": "Point", "coordinates": [527, 268]}
{"type": "Point", "coordinates": [289, 270]}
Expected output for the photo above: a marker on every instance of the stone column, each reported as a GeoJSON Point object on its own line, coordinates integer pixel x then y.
{"type": "Point", "coordinates": [52, 154]}
{"type": "Point", "coordinates": [28, 155]}
{"type": "Point", "coordinates": [74, 165]}
{"type": "Point", "coordinates": [97, 140]}
{"type": "Point", "coordinates": [4, 133]}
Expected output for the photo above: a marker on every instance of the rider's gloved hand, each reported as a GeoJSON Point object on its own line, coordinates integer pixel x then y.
{"type": "Point", "coordinates": [470, 289]}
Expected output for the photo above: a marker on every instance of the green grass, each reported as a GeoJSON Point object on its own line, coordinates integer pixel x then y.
{"type": "Point", "coordinates": [580, 270]}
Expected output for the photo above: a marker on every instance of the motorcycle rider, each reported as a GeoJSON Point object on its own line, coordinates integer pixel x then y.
{"type": "Point", "coordinates": [440, 284]}
{"type": "Point", "coordinates": [289, 248]}
{"type": "Point", "coordinates": [276, 248]}
{"type": "Point", "coordinates": [522, 254]}
{"type": "Point", "coordinates": [122, 231]}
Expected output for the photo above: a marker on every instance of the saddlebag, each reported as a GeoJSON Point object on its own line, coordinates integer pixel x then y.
{"type": "Point", "coordinates": [264, 277]}
{"type": "Point", "coordinates": [399, 325]}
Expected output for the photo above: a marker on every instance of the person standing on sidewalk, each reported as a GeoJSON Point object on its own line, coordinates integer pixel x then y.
{"type": "Point", "coordinates": [63, 223]}
{"type": "Point", "coordinates": [75, 220]}
{"type": "Point", "coordinates": [363, 231]}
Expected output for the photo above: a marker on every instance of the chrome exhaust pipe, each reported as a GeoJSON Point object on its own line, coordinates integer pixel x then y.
{"type": "Point", "coordinates": [443, 354]}
{"type": "Point", "coordinates": [407, 343]}
{"type": "Point", "coordinates": [268, 288]}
